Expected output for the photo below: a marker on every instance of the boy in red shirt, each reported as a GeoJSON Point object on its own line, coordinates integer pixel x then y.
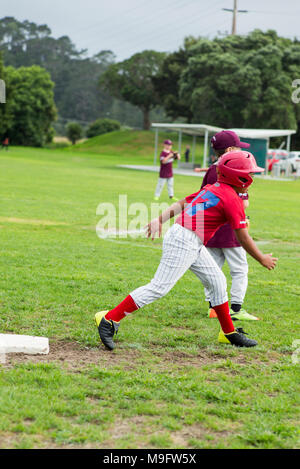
{"type": "Point", "coordinates": [201, 214]}
{"type": "Point", "coordinates": [167, 157]}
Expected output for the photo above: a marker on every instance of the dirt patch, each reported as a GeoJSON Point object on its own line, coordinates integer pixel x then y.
{"type": "Point", "coordinates": [145, 427]}
{"type": "Point", "coordinates": [140, 426]}
{"type": "Point", "coordinates": [52, 445]}
{"type": "Point", "coordinates": [7, 440]}
{"type": "Point", "coordinates": [76, 356]}
{"type": "Point", "coordinates": [181, 438]}
{"type": "Point", "coordinates": [182, 359]}
{"type": "Point", "coordinates": [121, 428]}
{"type": "Point", "coordinates": [13, 440]}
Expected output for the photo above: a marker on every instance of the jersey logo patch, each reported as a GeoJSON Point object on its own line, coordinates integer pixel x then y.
{"type": "Point", "coordinates": [209, 200]}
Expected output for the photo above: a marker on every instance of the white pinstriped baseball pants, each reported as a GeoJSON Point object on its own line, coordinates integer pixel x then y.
{"type": "Point", "coordinates": [237, 260]}
{"type": "Point", "coordinates": [183, 250]}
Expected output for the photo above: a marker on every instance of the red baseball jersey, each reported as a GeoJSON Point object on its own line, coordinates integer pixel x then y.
{"type": "Point", "coordinates": [224, 237]}
{"type": "Point", "coordinates": [210, 208]}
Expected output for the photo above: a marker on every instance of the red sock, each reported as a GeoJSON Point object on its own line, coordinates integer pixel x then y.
{"type": "Point", "coordinates": [224, 317]}
{"type": "Point", "coordinates": [123, 309]}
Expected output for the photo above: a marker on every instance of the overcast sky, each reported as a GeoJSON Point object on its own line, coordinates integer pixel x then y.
{"type": "Point", "coordinates": [129, 26]}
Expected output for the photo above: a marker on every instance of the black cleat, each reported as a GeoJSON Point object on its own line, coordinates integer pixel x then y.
{"type": "Point", "coordinates": [237, 338]}
{"type": "Point", "coordinates": [106, 328]}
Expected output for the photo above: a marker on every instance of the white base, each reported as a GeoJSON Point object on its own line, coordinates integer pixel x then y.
{"type": "Point", "coordinates": [11, 343]}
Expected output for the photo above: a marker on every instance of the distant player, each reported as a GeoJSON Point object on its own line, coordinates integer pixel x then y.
{"type": "Point", "coordinates": [201, 214]}
{"type": "Point", "coordinates": [5, 143]}
{"type": "Point", "coordinates": [167, 157]}
{"type": "Point", "coordinates": [224, 244]}
{"type": "Point", "coordinates": [187, 154]}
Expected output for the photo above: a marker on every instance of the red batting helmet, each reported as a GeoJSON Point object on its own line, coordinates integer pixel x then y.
{"type": "Point", "coordinates": [235, 168]}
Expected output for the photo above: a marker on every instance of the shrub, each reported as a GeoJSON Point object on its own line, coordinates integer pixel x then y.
{"type": "Point", "coordinates": [74, 132]}
{"type": "Point", "coordinates": [102, 126]}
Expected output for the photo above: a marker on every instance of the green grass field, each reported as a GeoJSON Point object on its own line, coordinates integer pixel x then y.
{"type": "Point", "coordinates": [168, 384]}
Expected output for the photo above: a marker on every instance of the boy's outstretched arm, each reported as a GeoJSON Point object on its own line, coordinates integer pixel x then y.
{"type": "Point", "coordinates": [266, 260]}
{"type": "Point", "coordinates": [156, 225]}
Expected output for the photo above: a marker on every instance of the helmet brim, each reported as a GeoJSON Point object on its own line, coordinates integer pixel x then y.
{"type": "Point", "coordinates": [258, 169]}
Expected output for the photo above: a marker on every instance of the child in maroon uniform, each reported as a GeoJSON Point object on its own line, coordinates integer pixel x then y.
{"type": "Point", "coordinates": [167, 157]}
{"type": "Point", "coordinates": [5, 143]}
{"type": "Point", "coordinates": [201, 214]}
{"type": "Point", "coordinates": [224, 244]}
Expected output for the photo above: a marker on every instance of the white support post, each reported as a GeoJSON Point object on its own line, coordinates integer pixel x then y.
{"type": "Point", "coordinates": [288, 143]}
{"type": "Point", "coordinates": [194, 149]}
{"type": "Point", "coordinates": [179, 141]}
{"type": "Point", "coordinates": [205, 149]}
{"type": "Point", "coordinates": [155, 146]}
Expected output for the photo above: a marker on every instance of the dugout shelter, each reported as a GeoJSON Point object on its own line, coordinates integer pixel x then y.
{"type": "Point", "coordinates": [259, 140]}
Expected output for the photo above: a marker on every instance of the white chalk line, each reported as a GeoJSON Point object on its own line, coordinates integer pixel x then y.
{"type": "Point", "coordinates": [112, 233]}
{"type": "Point", "coordinates": [132, 244]}
{"type": "Point", "coordinates": [108, 237]}
{"type": "Point", "coordinates": [103, 234]}
{"type": "Point", "coordinates": [151, 246]}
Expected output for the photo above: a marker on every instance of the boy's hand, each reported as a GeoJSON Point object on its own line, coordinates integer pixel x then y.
{"type": "Point", "coordinates": [268, 261]}
{"type": "Point", "coordinates": [153, 227]}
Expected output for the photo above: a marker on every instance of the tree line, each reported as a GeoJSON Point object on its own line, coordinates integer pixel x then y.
{"type": "Point", "coordinates": [76, 89]}
{"type": "Point", "coordinates": [233, 81]}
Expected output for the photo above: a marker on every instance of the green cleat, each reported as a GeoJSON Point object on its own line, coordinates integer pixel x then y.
{"type": "Point", "coordinates": [242, 315]}
{"type": "Point", "coordinates": [237, 338]}
{"type": "Point", "coordinates": [106, 328]}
